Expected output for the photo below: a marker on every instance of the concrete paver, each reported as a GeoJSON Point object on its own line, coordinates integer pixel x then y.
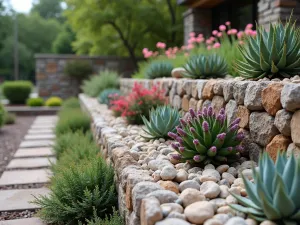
{"type": "Point", "coordinates": [33, 144]}
{"type": "Point", "coordinates": [31, 163]}
{"type": "Point", "coordinates": [30, 137]}
{"type": "Point", "coordinates": [41, 131]}
{"type": "Point", "coordinates": [34, 152]}
{"type": "Point", "coordinates": [27, 221]}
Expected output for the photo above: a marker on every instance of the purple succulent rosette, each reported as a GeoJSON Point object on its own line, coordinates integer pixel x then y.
{"type": "Point", "coordinates": [205, 137]}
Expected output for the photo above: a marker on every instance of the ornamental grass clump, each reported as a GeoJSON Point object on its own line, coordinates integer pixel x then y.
{"type": "Point", "coordinates": [161, 120]}
{"type": "Point", "coordinates": [273, 54]}
{"type": "Point", "coordinates": [274, 195]}
{"type": "Point", "coordinates": [205, 137]}
{"type": "Point", "coordinates": [205, 67]}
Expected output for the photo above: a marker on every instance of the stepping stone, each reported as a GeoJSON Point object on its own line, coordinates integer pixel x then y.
{"type": "Point", "coordinates": [33, 152]}
{"type": "Point", "coordinates": [39, 137]}
{"type": "Point", "coordinates": [27, 221]}
{"type": "Point", "coordinates": [34, 144]}
{"type": "Point", "coordinates": [42, 131]}
{"type": "Point", "coordinates": [31, 163]}
{"type": "Point", "coordinates": [16, 177]}
{"type": "Point", "coordinates": [17, 200]}
{"type": "Point", "coordinates": [41, 127]}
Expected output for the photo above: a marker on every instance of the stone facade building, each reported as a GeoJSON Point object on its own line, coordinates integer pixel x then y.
{"type": "Point", "coordinates": [203, 16]}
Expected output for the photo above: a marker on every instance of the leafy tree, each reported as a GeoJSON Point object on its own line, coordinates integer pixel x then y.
{"type": "Point", "coordinates": [48, 9]}
{"type": "Point", "coordinates": [63, 42]}
{"type": "Point", "coordinates": [127, 26]}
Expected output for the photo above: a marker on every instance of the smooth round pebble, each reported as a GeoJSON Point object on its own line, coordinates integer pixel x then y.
{"type": "Point", "coordinates": [268, 222]}
{"type": "Point", "coordinates": [198, 212]}
{"type": "Point", "coordinates": [169, 185]}
{"type": "Point", "coordinates": [172, 207]}
{"type": "Point", "coordinates": [232, 171]}
{"type": "Point", "coordinates": [168, 173]}
{"type": "Point", "coordinates": [210, 175]}
{"type": "Point", "coordinates": [195, 170]}
{"type": "Point", "coordinates": [209, 166]}
{"type": "Point", "coordinates": [213, 222]}
{"type": "Point", "coordinates": [222, 217]}
{"type": "Point", "coordinates": [222, 168]}
{"type": "Point", "coordinates": [251, 221]}
{"type": "Point", "coordinates": [229, 177]}
{"type": "Point", "coordinates": [236, 221]}
{"type": "Point", "coordinates": [189, 184]}
{"type": "Point", "coordinates": [176, 215]}
{"type": "Point", "coordinates": [164, 196]}
{"type": "Point", "coordinates": [231, 200]}
{"type": "Point", "coordinates": [181, 176]}
{"type": "Point", "coordinates": [172, 221]}
{"type": "Point", "coordinates": [224, 191]}
{"type": "Point", "coordinates": [224, 209]}
{"type": "Point", "coordinates": [210, 189]}
{"type": "Point", "coordinates": [248, 174]}
{"type": "Point", "coordinates": [218, 202]}
{"type": "Point", "coordinates": [156, 175]}
{"type": "Point", "coordinates": [190, 195]}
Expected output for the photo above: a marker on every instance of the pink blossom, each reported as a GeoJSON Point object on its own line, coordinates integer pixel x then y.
{"type": "Point", "coordinates": [192, 34]}
{"type": "Point", "coordinates": [219, 34]}
{"type": "Point", "coordinates": [200, 35]}
{"type": "Point", "coordinates": [215, 32]}
{"type": "Point", "coordinates": [209, 47]}
{"type": "Point", "coordinates": [228, 23]}
{"type": "Point", "coordinates": [229, 32]}
{"type": "Point", "coordinates": [145, 50]}
{"type": "Point", "coordinates": [249, 26]}
{"type": "Point", "coordinates": [254, 33]}
{"type": "Point", "coordinates": [217, 45]}
{"type": "Point", "coordinates": [148, 54]}
{"type": "Point", "coordinates": [199, 39]}
{"type": "Point", "coordinates": [183, 47]}
{"type": "Point", "coordinates": [160, 45]}
{"type": "Point", "coordinates": [234, 31]}
{"type": "Point", "coordinates": [190, 46]}
{"type": "Point", "coordinates": [248, 32]}
{"type": "Point", "coordinates": [240, 34]}
{"type": "Point", "coordinates": [208, 41]}
{"type": "Point", "coordinates": [155, 54]}
{"type": "Point", "coordinates": [222, 27]}
{"type": "Point", "coordinates": [212, 38]}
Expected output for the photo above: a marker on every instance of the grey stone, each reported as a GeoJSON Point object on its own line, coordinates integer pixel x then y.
{"type": "Point", "coordinates": [210, 189]}
{"type": "Point", "coordinates": [20, 199]}
{"type": "Point", "coordinates": [150, 211]}
{"type": "Point", "coordinates": [218, 87]}
{"type": "Point", "coordinates": [224, 191]}
{"type": "Point", "coordinates": [231, 111]}
{"type": "Point", "coordinates": [218, 102]}
{"type": "Point", "coordinates": [218, 202]}
{"type": "Point", "coordinates": [158, 164]}
{"type": "Point", "coordinates": [168, 173]}
{"type": "Point", "coordinates": [222, 168]}
{"type": "Point", "coordinates": [30, 163]}
{"type": "Point", "coordinates": [236, 221]}
{"type": "Point", "coordinates": [239, 91]}
{"type": "Point", "coordinates": [259, 120]}
{"type": "Point", "coordinates": [25, 177]}
{"type": "Point", "coordinates": [210, 175]}
{"type": "Point", "coordinates": [283, 122]}
{"type": "Point", "coordinates": [200, 87]}
{"type": "Point", "coordinates": [39, 137]}
{"type": "Point", "coordinates": [181, 176]}
{"type": "Point", "coordinates": [209, 166]}
{"type": "Point", "coordinates": [140, 191]}
{"type": "Point", "coordinates": [177, 102]}
{"type": "Point", "coordinates": [172, 207]}
{"type": "Point", "coordinates": [190, 195]}
{"type": "Point", "coordinates": [293, 149]}
{"type": "Point", "coordinates": [42, 126]}
{"type": "Point", "coordinates": [206, 104]}
{"type": "Point", "coordinates": [133, 219]}
{"type": "Point", "coordinates": [198, 212]}
{"type": "Point", "coordinates": [189, 184]}
{"type": "Point", "coordinates": [26, 221]}
{"type": "Point", "coordinates": [164, 196]}
{"type": "Point", "coordinates": [229, 177]}
{"type": "Point", "coordinates": [172, 221]}
{"type": "Point", "coordinates": [176, 215]}
{"type": "Point", "coordinates": [228, 90]}
{"type": "Point", "coordinates": [33, 144]}
{"type": "Point", "coordinates": [253, 99]}
{"type": "Point", "coordinates": [33, 152]}
{"type": "Point", "coordinates": [213, 222]}
{"type": "Point", "coordinates": [290, 97]}
{"type": "Point", "coordinates": [222, 217]}
{"type": "Point", "coordinates": [232, 171]}
{"type": "Point", "coordinates": [187, 86]}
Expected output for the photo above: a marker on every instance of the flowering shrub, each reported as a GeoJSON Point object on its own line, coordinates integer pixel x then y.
{"type": "Point", "coordinates": [137, 103]}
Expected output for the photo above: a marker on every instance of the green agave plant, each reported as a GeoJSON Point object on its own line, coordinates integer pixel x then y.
{"type": "Point", "coordinates": [205, 66]}
{"type": "Point", "coordinates": [274, 53]}
{"type": "Point", "coordinates": [275, 193]}
{"type": "Point", "coordinates": [162, 120]}
{"type": "Point", "coordinates": [159, 69]}
{"type": "Point", "coordinates": [107, 95]}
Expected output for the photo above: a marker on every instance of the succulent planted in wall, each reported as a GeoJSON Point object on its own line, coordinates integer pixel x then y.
{"type": "Point", "coordinates": [275, 194]}
{"type": "Point", "coordinates": [273, 53]}
{"type": "Point", "coordinates": [108, 95]}
{"type": "Point", "coordinates": [161, 120]}
{"type": "Point", "coordinates": [207, 138]}
{"type": "Point", "coordinates": [159, 69]}
{"type": "Point", "coordinates": [205, 66]}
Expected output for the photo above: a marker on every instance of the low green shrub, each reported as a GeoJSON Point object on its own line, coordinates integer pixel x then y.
{"type": "Point", "coordinates": [2, 115]}
{"type": "Point", "coordinates": [72, 120]}
{"type": "Point", "coordinates": [114, 219]}
{"type": "Point", "coordinates": [54, 101]}
{"type": "Point", "coordinates": [9, 118]}
{"type": "Point", "coordinates": [78, 69]}
{"type": "Point", "coordinates": [17, 91]}
{"type": "Point", "coordinates": [96, 84]}
{"type": "Point", "coordinates": [108, 95]}
{"type": "Point", "coordinates": [80, 193]}
{"type": "Point", "coordinates": [159, 69]}
{"type": "Point", "coordinates": [71, 103]}
{"type": "Point", "coordinates": [34, 102]}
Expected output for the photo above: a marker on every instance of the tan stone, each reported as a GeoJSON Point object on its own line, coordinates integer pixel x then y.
{"type": "Point", "coordinates": [185, 103]}
{"type": "Point", "coordinates": [128, 197]}
{"type": "Point", "coordinates": [193, 104]}
{"type": "Point", "coordinates": [150, 211]}
{"type": "Point", "coordinates": [271, 98]}
{"type": "Point", "coordinates": [199, 105]}
{"type": "Point", "coordinates": [169, 185]}
{"type": "Point", "coordinates": [293, 149]}
{"type": "Point", "coordinates": [179, 87]}
{"type": "Point", "coordinates": [208, 90]}
{"type": "Point", "coordinates": [279, 142]}
{"type": "Point", "coordinates": [244, 114]}
{"type": "Point", "coordinates": [295, 128]}
{"type": "Point", "coordinates": [218, 102]}
{"type": "Point", "coordinates": [195, 90]}
{"type": "Point", "coordinates": [51, 67]}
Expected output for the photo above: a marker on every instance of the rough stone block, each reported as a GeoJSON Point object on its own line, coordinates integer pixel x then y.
{"type": "Point", "coordinates": [228, 90]}
{"type": "Point", "coordinates": [253, 99]}
{"type": "Point", "coordinates": [185, 103]}
{"type": "Point", "coordinates": [239, 91]}
{"type": "Point", "coordinates": [271, 98]}
{"type": "Point", "coordinates": [283, 122]}
{"type": "Point", "coordinates": [193, 104]}
{"type": "Point", "coordinates": [177, 102]}
{"type": "Point", "coordinates": [278, 143]}
{"type": "Point", "coordinates": [187, 86]}
{"type": "Point", "coordinates": [31, 163]}
{"type": "Point", "coordinates": [218, 87]}
{"type": "Point", "coordinates": [244, 114]}
{"type": "Point", "coordinates": [200, 87]}
{"type": "Point", "coordinates": [33, 152]}
{"type": "Point", "coordinates": [293, 149]}
{"type": "Point", "coordinates": [231, 110]}
{"type": "Point", "coordinates": [262, 128]}
{"type": "Point", "coordinates": [150, 211]}
{"type": "Point", "coordinates": [295, 128]}
{"type": "Point", "coordinates": [206, 104]}
{"type": "Point", "coordinates": [207, 92]}
{"type": "Point", "coordinates": [199, 105]}
{"type": "Point", "coordinates": [218, 102]}
{"type": "Point", "coordinates": [195, 90]}
{"type": "Point", "coordinates": [290, 97]}
{"type": "Point", "coordinates": [179, 87]}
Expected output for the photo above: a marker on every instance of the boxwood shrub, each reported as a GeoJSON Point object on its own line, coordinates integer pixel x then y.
{"type": "Point", "coordinates": [17, 91]}
{"type": "Point", "coordinates": [35, 102]}
{"type": "Point", "coordinates": [54, 102]}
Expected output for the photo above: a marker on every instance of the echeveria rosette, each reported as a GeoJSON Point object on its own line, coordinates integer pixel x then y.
{"type": "Point", "coordinates": [274, 195]}
{"type": "Point", "coordinates": [207, 138]}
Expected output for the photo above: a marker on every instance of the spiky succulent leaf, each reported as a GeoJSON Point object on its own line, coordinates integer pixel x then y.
{"type": "Point", "coordinates": [205, 66]}
{"type": "Point", "coordinates": [162, 120]}
{"type": "Point", "coordinates": [205, 137]}
{"type": "Point", "coordinates": [273, 53]}
{"type": "Point", "coordinates": [107, 95]}
{"type": "Point", "coordinates": [274, 195]}
{"type": "Point", "coordinates": [159, 69]}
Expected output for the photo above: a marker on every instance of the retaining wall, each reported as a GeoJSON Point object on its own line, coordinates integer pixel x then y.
{"type": "Point", "coordinates": [269, 110]}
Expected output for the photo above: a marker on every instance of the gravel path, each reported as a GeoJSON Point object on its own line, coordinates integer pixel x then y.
{"type": "Point", "coordinates": [11, 137]}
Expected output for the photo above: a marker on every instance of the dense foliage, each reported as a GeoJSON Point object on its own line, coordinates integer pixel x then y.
{"type": "Point", "coordinates": [9, 118]}
{"type": "Point", "coordinates": [114, 219]}
{"type": "Point", "coordinates": [16, 91]}
{"type": "Point", "coordinates": [78, 69]}
{"type": "Point", "coordinates": [2, 115]}
{"type": "Point", "coordinates": [162, 120]}
{"type": "Point", "coordinates": [54, 102]}
{"type": "Point", "coordinates": [33, 102]}
{"type": "Point", "coordinates": [108, 95]}
{"type": "Point", "coordinates": [137, 103]}
{"type": "Point", "coordinates": [71, 103]}
{"type": "Point", "coordinates": [205, 137]}
{"type": "Point", "coordinates": [274, 195]}
{"type": "Point", "coordinates": [96, 84]}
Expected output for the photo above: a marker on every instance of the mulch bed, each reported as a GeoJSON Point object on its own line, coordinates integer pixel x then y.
{"type": "Point", "coordinates": [11, 137]}
{"type": "Point", "coordinates": [17, 215]}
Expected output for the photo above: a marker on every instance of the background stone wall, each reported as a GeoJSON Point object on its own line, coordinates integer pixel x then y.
{"type": "Point", "coordinates": [50, 78]}
{"type": "Point", "coordinates": [269, 110]}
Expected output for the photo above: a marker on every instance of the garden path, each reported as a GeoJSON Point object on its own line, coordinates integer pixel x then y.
{"type": "Point", "coordinates": [28, 173]}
